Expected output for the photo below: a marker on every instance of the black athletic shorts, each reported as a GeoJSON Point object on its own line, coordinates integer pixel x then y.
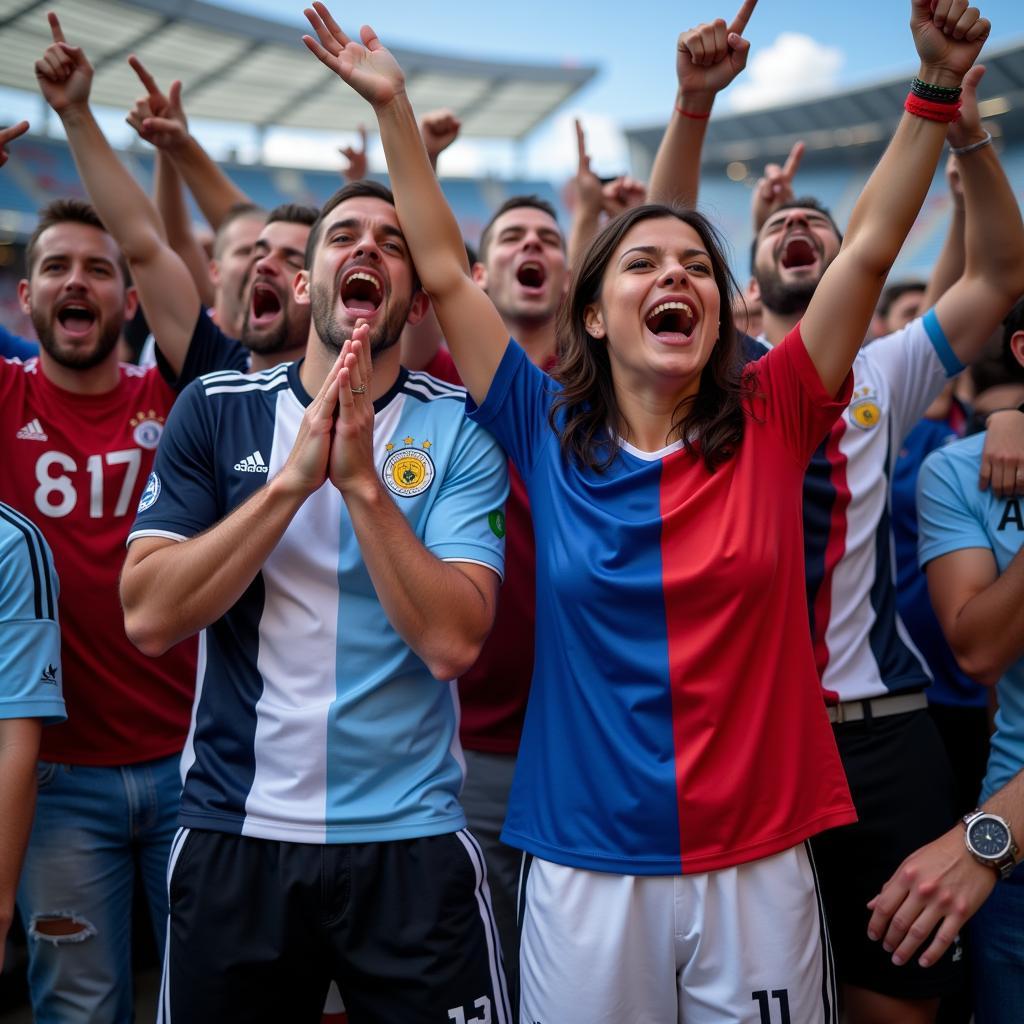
{"type": "Point", "coordinates": [902, 787]}
{"type": "Point", "coordinates": [259, 928]}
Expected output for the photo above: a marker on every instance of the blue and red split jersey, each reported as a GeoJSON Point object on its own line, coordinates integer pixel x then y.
{"type": "Point", "coordinates": [675, 721]}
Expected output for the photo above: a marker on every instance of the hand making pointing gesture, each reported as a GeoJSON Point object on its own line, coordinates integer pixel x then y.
{"type": "Point", "coordinates": [711, 55]}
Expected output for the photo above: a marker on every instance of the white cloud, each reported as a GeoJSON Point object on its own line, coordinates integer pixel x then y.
{"type": "Point", "coordinates": [795, 65]}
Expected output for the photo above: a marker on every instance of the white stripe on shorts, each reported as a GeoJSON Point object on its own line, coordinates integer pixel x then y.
{"type": "Point", "coordinates": [829, 993]}
{"type": "Point", "coordinates": [503, 1013]}
{"type": "Point", "coordinates": [163, 1010]}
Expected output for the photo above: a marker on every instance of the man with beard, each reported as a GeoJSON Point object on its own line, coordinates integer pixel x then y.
{"type": "Point", "coordinates": [339, 602]}
{"type": "Point", "coordinates": [871, 673]}
{"type": "Point", "coordinates": [80, 433]}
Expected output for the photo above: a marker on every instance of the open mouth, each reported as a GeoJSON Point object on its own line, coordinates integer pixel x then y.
{"type": "Point", "coordinates": [266, 304]}
{"type": "Point", "coordinates": [76, 319]}
{"type": "Point", "coordinates": [799, 252]}
{"type": "Point", "coordinates": [531, 275]}
{"type": "Point", "coordinates": [671, 320]}
{"type": "Point", "coordinates": [361, 293]}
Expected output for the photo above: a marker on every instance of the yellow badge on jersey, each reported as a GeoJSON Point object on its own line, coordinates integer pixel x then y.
{"type": "Point", "coordinates": [865, 412]}
{"type": "Point", "coordinates": [408, 471]}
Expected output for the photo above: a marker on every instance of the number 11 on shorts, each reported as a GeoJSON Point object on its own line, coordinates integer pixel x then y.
{"type": "Point", "coordinates": [781, 996]}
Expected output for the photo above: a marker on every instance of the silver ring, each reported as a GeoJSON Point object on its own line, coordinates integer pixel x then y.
{"type": "Point", "coordinates": [361, 390]}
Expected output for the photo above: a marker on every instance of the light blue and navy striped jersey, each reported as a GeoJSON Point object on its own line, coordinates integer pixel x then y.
{"type": "Point", "coordinates": [313, 721]}
{"type": "Point", "coordinates": [31, 685]}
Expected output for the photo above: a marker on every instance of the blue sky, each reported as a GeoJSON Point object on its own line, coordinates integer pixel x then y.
{"type": "Point", "coordinates": [816, 45]}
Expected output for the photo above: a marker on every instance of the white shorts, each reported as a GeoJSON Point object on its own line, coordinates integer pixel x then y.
{"type": "Point", "coordinates": [745, 945]}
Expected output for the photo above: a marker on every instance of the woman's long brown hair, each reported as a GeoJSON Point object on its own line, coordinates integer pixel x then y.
{"type": "Point", "coordinates": [585, 414]}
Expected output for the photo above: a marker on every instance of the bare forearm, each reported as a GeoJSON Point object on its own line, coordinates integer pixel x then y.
{"type": "Point", "coordinates": [19, 749]}
{"type": "Point", "coordinates": [170, 201]}
{"type": "Point", "coordinates": [211, 188]}
{"type": "Point", "coordinates": [180, 588]}
{"type": "Point", "coordinates": [436, 608]}
{"type": "Point", "coordinates": [675, 176]}
{"type": "Point", "coordinates": [428, 223]}
{"type": "Point", "coordinates": [122, 205]}
{"type": "Point", "coordinates": [987, 636]}
{"type": "Point", "coordinates": [949, 267]}
{"type": "Point", "coordinates": [994, 233]}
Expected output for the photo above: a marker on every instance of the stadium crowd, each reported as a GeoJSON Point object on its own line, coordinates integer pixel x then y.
{"type": "Point", "coordinates": [545, 628]}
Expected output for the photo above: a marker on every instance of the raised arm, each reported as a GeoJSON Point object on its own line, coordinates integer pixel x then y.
{"type": "Point", "coordinates": [708, 58]}
{"type": "Point", "coordinates": [775, 187]}
{"type": "Point", "coordinates": [168, 192]}
{"type": "Point", "coordinates": [838, 315]}
{"type": "Point", "coordinates": [472, 327]}
{"type": "Point", "coordinates": [166, 290]}
{"type": "Point", "coordinates": [949, 267]}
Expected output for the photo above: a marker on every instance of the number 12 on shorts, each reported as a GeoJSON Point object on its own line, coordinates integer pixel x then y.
{"type": "Point", "coordinates": [781, 996]}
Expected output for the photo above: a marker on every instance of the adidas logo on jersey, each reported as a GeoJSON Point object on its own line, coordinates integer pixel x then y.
{"type": "Point", "coordinates": [252, 464]}
{"type": "Point", "coordinates": [32, 431]}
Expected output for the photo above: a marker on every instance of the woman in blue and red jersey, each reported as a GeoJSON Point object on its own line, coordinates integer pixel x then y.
{"type": "Point", "coordinates": [676, 753]}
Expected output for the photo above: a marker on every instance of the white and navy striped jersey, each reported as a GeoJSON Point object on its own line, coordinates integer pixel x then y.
{"type": "Point", "coordinates": [313, 721]}
{"type": "Point", "coordinates": [31, 684]}
{"type": "Point", "coordinates": [861, 646]}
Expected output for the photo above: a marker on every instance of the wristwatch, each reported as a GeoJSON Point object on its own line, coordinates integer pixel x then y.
{"type": "Point", "coordinates": [990, 841]}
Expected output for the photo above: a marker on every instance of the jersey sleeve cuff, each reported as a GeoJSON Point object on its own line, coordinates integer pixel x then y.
{"type": "Point", "coordinates": [168, 534]}
{"type": "Point", "coordinates": [941, 344]}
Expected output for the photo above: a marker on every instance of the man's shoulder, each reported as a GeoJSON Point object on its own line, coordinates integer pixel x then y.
{"type": "Point", "coordinates": [959, 456]}
{"type": "Point", "coordinates": [237, 383]}
{"type": "Point", "coordinates": [425, 387]}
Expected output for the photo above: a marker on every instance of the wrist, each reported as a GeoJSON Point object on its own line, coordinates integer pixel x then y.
{"type": "Point", "coordinates": [940, 76]}
{"type": "Point", "coordinates": [74, 114]}
{"type": "Point", "coordinates": [363, 490]}
{"type": "Point", "coordinates": [289, 490]}
{"type": "Point", "coordinates": [695, 104]}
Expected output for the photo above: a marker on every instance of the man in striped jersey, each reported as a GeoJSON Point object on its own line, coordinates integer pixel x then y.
{"type": "Point", "coordinates": [335, 528]}
{"type": "Point", "coordinates": [31, 687]}
{"type": "Point", "coordinates": [871, 672]}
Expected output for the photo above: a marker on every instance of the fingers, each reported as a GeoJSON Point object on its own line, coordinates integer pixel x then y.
{"type": "Point", "coordinates": [918, 931]}
{"type": "Point", "coordinates": [792, 163]}
{"type": "Point", "coordinates": [362, 137]}
{"type": "Point", "coordinates": [739, 23]}
{"type": "Point", "coordinates": [147, 80]}
{"type": "Point", "coordinates": [369, 38]}
{"type": "Point", "coordinates": [174, 96]}
{"type": "Point", "coordinates": [329, 45]}
{"type": "Point", "coordinates": [581, 148]}
{"type": "Point", "coordinates": [980, 30]}
{"type": "Point", "coordinates": [332, 27]}
{"type": "Point", "coordinates": [944, 938]}
{"type": "Point", "coordinates": [55, 29]}
{"type": "Point", "coordinates": [13, 132]}
{"type": "Point", "coordinates": [985, 476]}
{"type": "Point", "coordinates": [364, 356]}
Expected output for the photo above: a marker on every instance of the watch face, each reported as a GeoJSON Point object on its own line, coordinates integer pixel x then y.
{"type": "Point", "coordinates": [989, 837]}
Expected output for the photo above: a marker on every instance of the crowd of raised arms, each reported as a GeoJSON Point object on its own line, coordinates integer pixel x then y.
{"type": "Point", "coordinates": [537, 628]}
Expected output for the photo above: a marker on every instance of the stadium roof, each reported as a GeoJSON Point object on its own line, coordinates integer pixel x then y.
{"type": "Point", "coordinates": [237, 67]}
{"type": "Point", "coordinates": [864, 116]}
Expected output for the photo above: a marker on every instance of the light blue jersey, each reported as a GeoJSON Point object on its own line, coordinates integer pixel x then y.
{"type": "Point", "coordinates": [953, 515]}
{"type": "Point", "coordinates": [314, 721]}
{"type": "Point", "coordinates": [31, 685]}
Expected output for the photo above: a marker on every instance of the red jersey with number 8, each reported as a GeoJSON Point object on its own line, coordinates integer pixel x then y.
{"type": "Point", "coordinates": [76, 465]}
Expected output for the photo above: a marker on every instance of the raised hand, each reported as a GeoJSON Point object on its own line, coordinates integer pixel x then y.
{"type": "Point", "coordinates": [159, 118]}
{"type": "Point", "coordinates": [358, 164]}
{"type": "Point", "coordinates": [64, 75]}
{"type": "Point", "coordinates": [948, 38]}
{"type": "Point", "coordinates": [351, 463]}
{"type": "Point", "coordinates": [968, 129]}
{"type": "Point", "coordinates": [586, 186]}
{"type": "Point", "coordinates": [305, 469]}
{"type": "Point", "coordinates": [622, 194]}
{"type": "Point", "coordinates": [776, 187]}
{"type": "Point", "coordinates": [711, 55]}
{"type": "Point", "coordinates": [9, 135]}
{"type": "Point", "coordinates": [369, 68]}
{"type": "Point", "coordinates": [439, 129]}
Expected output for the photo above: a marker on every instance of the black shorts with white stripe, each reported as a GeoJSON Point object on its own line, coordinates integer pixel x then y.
{"type": "Point", "coordinates": [259, 928]}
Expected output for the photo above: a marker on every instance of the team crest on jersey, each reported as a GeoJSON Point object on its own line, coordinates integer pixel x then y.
{"type": "Point", "coordinates": [150, 493]}
{"type": "Point", "coordinates": [865, 412]}
{"type": "Point", "coordinates": [147, 428]}
{"type": "Point", "coordinates": [408, 471]}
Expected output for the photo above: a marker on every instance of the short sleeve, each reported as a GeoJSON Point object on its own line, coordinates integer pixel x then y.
{"type": "Point", "coordinates": [516, 408]}
{"type": "Point", "coordinates": [31, 684]}
{"type": "Point", "coordinates": [210, 349]}
{"type": "Point", "coordinates": [792, 398]}
{"type": "Point", "coordinates": [915, 362]}
{"type": "Point", "coordinates": [466, 523]}
{"type": "Point", "coordinates": [180, 497]}
{"type": "Point", "coordinates": [946, 521]}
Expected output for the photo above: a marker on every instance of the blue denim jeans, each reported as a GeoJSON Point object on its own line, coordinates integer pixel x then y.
{"type": "Point", "coordinates": [94, 828]}
{"type": "Point", "coordinates": [997, 951]}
